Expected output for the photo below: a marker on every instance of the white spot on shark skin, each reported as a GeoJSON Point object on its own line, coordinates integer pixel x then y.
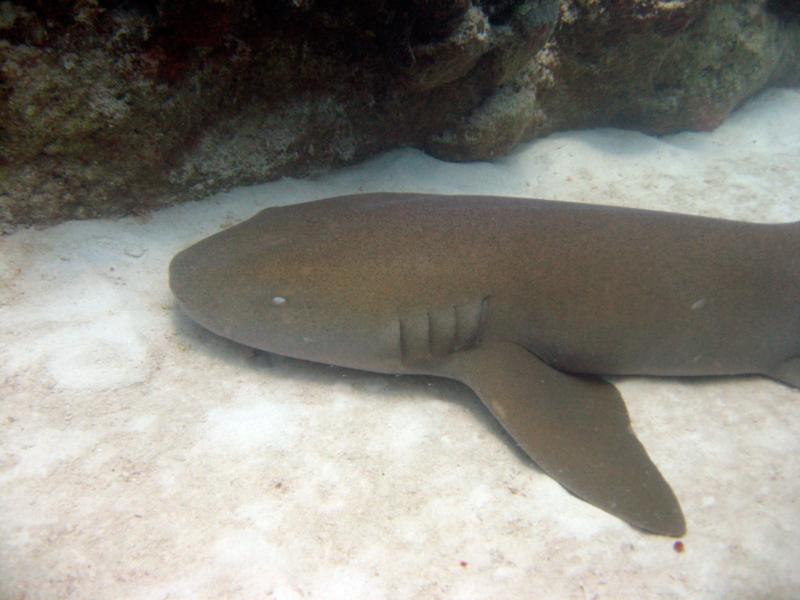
{"type": "Point", "coordinates": [279, 300]}
{"type": "Point", "coordinates": [697, 305]}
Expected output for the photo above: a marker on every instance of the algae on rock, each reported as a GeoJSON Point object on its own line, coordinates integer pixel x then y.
{"type": "Point", "coordinates": [117, 107]}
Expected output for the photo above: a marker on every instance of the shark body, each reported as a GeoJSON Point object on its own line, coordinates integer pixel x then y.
{"type": "Point", "coordinates": [528, 302]}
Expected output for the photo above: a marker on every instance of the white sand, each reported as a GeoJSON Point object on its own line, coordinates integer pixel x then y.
{"type": "Point", "coordinates": [141, 457]}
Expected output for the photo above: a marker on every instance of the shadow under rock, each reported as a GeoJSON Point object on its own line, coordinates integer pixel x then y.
{"type": "Point", "coordinates": [396, 388]}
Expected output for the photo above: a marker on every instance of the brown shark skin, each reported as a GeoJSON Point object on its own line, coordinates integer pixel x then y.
{"type": "Point", "coordinates": [410, 283]}
{"type": "Point", "coordinates": [590, 289]}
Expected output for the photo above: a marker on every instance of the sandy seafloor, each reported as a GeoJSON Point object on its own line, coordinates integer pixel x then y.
{"type": "Point", "coordinates": [142, 457]}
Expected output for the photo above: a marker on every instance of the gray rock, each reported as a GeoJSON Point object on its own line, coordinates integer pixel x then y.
{"type": "Point", "coordinates": [128, 106]}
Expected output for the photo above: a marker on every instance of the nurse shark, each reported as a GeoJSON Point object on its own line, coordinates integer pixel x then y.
{"type": "Point", "coordinates": [527, 302]}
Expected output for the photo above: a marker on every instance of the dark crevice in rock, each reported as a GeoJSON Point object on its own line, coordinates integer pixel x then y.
{"type": "Point", "coordinates": [786, 9]}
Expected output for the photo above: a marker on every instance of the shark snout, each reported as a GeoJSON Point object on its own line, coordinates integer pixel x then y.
{"type": "Point", "coordinates": [181, 276]}
{"type": "Point", "coordinates": [196, 284]}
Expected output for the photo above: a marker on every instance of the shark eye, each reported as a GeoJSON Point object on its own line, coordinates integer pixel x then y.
{"type": "Point", "coordinates": [278, 300]}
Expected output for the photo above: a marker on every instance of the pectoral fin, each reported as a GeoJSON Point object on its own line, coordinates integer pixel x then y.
{"type": "Point", "coordinates": [576, 429]}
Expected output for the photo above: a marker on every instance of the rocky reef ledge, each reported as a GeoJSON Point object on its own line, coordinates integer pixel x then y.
{"type": "Point", "coordinates": [113, 107]}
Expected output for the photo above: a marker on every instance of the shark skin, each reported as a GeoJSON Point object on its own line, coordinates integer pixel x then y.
{"type": "Point", "coordinates": [528, 302]}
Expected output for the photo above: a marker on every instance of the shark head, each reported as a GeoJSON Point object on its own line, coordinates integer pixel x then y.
{"type": "Point", "coordinates": [277, 282]}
